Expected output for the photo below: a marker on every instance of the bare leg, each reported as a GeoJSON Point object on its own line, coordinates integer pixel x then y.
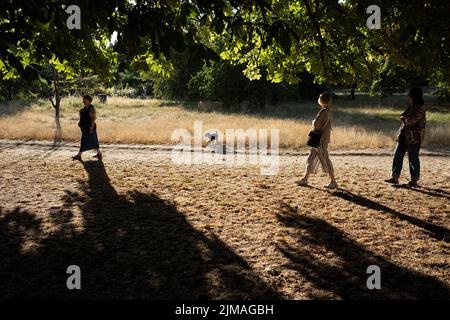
{"type": "Point", "coordinates": [311, 164]}
{"type": "Point", "coordinates": [333, 184]}
{"type": "Point", "coordinates": [332, 177]}
{"type": "Point", "coordinates": [304, 180]}
{"type": "Point", "coordinates": [306, 176]}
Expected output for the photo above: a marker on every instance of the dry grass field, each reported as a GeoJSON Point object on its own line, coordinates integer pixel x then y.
{"type": "Point", "coordinates": [141, 227]}
{"type": "Point", "coordinates": [363, 123]}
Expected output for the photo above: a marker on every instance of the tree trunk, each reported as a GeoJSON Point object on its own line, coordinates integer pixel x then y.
{"type": "Point", "coordinates": [56, 105]}
{"type": "Point", "coordinates": [10, 97]}
{"type": "Point", "coordinates": [144, 90]}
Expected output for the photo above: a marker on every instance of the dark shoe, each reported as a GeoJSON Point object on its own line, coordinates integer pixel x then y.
{"type": "Point", "coordinates": [99, 156]}
{"type": "Point", "coordinates": [392, 180]}
{"type": "Point", "coordinates": [77, 157]}
{"type": "Point", "coordinates": [413, 184]}
{"type": "Point", "coordinates": [333, 185]}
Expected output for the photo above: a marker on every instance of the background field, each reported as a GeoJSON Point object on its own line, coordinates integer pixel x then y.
{"type": "Point", "coordinates": [364, 123]}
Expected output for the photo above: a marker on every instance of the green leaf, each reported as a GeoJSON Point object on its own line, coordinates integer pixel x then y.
{"type": "Point", "coordinates": [173, 4]}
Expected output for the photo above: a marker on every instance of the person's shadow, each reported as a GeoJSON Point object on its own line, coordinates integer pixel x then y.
{"type": "Point", "coordinates": [434, 231]}
{"type": "Point", "coordinates": [133, 246]}
{"type": "Point", "coordinates": [439, 193]}
{"type": "Point", "coordinates": [344, 270]}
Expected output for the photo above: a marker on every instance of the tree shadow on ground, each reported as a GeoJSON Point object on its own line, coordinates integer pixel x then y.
{"type": "Point", "coordinates": [55, 146]}
{"type": "Point", "coordinates": [57, 141]}
{"type": "Point", "coordinates": [133, 246]}
{"type": "Point", "coordinates": [337, 264]}
{"type": "Point", "coordinates": [14, 145]}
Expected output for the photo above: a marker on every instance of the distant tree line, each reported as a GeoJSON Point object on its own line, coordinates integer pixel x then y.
{"type": "Point", "coordinates": [235, 51]}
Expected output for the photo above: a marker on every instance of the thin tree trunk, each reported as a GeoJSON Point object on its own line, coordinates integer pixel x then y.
{"type": "Point", "coordinates": [9, 90]}
{"type": "Point", "coordinates": [56, 105]}
{"type": "Point", "coordinates": [144, 90]}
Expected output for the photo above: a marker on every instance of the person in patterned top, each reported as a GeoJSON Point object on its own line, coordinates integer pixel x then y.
{"type": "Point", "coordinates": [410, 137]}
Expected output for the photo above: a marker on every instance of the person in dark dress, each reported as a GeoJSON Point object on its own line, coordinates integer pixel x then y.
{"type": "Point", "coordinates": [89, 140]}
{"type": "Point", "coordinates": [409, 138]}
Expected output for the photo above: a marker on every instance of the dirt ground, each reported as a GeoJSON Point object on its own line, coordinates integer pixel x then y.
{"type": "Point", "coordinates": [140, 226]}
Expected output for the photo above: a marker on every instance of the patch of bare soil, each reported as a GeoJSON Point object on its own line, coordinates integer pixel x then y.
{"type": "Point", "coordinates": [140, 226]}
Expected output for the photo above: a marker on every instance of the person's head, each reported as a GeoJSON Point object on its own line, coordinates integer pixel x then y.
{"type": "Point", "coordinates": [325, 99]}
{"type": "Point", "coordinates": [87, 100]}
{"type": "Point", "coordinates": [415, 97]}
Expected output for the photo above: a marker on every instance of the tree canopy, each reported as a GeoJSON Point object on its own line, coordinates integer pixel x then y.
{"type": "Point", "coordinates": [275, 39]}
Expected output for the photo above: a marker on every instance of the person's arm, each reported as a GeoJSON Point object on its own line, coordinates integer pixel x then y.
{"type": "Point", "coordinates": [415, 116]}
{"type": "Point", "coordinates": [321, 120]}
{"type": "Point", "coordinates": [93, 116]}
{"type": "Point", "coordinates": [402, 116]}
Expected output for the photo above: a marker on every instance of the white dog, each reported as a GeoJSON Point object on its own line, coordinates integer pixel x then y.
{"type": "Point", "coordinates": [214, 143]}
{"type": "Point", "coordinates": [211, 136]}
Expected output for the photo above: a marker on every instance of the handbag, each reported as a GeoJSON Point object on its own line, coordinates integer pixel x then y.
{"type": "Point", "coordinates": [314, 137]}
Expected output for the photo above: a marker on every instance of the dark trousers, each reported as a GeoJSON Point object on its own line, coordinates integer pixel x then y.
{"type": "Point", "coordinates": [413, 159]}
